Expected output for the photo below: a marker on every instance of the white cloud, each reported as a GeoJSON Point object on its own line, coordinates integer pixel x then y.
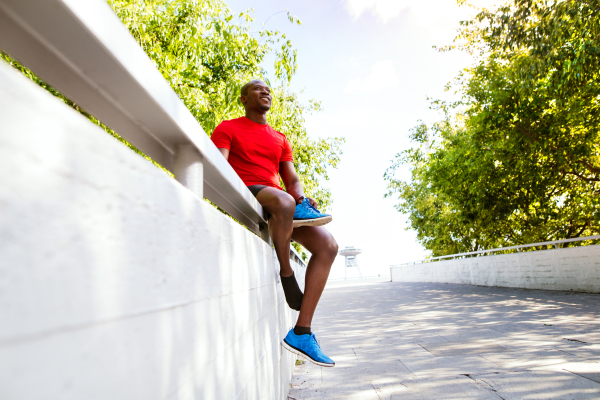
{"type": "Point", "coordinates": [383, 75]}
{"type": "Point", "coordinates": [423, 11]}
{"type": "Point", "coordinates": [383, 9]}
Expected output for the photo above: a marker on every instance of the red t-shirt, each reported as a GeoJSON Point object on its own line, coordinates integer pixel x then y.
{"type": "Point", "coordinates": [255, 150]}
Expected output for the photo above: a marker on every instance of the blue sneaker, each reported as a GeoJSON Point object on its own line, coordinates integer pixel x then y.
{"type": "Point", "coordinates": [307, 215]}
{"type": "Point", "coordinates": [307, 346]}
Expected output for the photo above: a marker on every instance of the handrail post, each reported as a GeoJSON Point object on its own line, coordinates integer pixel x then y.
{"type": "Point", "coordinates": [188, 168]}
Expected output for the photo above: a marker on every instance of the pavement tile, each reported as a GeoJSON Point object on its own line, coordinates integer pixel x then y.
{"type": "Point", "coordinates": [530, 360]}
{"type": "Point", "coordinates": [448, 388]}
{"type": "Point", "coordinates": [398, 351]}
{"type": "Point", "coordinates": [387, 370]}
{"type": "Point", "coordinates": [445, 366]}
{"type": "Point", "coordinates": [590, 338]}
{"type": "Point", "coordinates": [523, 344]}
{"type": "Point", "coordinates": [386, 388]}
{"type": "Point", "coordinates": [347, 391]}
{"type": "Point", "coordinates": [442, 341]}
{"type": "Point", "coordinates": [327, 384]}
{"type": "Point", "coordinates": [471, 334]}
{"type": "Point", "coordinates": [306, 376]}
{"type": "Point", "coordinates": [539, 385]}
{"type": "Point", "coordinates": [472, 347]}
{"type": "Point", "coordinates": [586, 352]}
{"type": "Point", "coordinates": [587, 370]}
{"type": "Point", "coordinates": [425, 338]}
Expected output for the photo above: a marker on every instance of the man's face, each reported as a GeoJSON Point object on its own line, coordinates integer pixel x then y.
{"type": "Point", "coordinates": [258, 97]}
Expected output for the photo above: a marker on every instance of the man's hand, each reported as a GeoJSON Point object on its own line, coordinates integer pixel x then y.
{"type": "Point", "coordinates": [313, 202]}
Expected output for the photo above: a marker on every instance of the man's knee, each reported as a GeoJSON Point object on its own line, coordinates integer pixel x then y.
{"type": "Point", "coordinates": [329, 248]}
{"type": "Point", "coordinates": [284, 205]}
{"type": "Point", "coordinates": [332, 248]}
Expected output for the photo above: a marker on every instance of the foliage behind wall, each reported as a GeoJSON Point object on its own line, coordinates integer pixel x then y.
{"type": "Point", "coordinates": [517, 159]}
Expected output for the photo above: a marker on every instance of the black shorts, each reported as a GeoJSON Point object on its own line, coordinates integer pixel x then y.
{"type": "Point", "coordinates": [256, 188]}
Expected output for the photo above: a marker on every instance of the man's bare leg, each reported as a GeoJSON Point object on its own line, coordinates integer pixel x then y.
{"type": "Point", "coordinates": [323, 248]}
{"type": "Point", "coordinates": [316, 239]}
{"type": "Point", "coordinates": [322, 245]}
{"type": "Point", "coordinates": [281, 207]}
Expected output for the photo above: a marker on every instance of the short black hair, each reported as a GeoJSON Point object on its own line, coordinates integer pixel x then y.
{"type": "Point", "coordinates": [244, 90]}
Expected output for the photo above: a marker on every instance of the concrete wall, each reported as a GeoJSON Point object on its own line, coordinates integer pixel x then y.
{"type": "Point", "coordinates": [576, 268]}
{"type": "Point", "coordinates": [118, 283]}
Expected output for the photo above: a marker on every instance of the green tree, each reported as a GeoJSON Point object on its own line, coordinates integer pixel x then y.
{"type": "Point", "coordinates": [517, 159]}
{"type": "Point", "coordinates": [202, 52]}
{"type": "Point", "coordinates": [207, 54]}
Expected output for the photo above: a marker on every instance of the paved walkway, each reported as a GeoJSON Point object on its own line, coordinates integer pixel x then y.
{"type": "Point", "coordinates": [441, 341]}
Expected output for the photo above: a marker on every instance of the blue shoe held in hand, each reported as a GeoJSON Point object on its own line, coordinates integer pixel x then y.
{"type": "Point", "coordinates": [307, 346]}
{"type": "Point", "coordinates": [307, 215]}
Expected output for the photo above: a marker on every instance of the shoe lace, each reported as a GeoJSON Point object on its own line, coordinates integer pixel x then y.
{"type": "Point", "coordinates": [310, 206]}
{"type": "Point", "coordinates": [314, 338]}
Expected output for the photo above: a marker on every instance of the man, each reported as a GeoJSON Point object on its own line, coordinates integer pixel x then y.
{"type": "Point", "coordinates": [259, 155]}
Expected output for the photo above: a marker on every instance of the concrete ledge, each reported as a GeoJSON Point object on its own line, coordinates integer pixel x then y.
{"type": "Point", "coordinates": [576, 268]}
{"type": "Point", "coordinates": [116, 282]}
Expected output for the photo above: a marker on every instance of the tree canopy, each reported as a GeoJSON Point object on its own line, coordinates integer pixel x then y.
{"type": "Point", "coordinates": [517, 159]}
{"type": "Point", "coordinates": [207, 54]}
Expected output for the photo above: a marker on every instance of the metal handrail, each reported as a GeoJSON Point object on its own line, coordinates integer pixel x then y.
{"type": "Point", "coordinates": [552, 242]}
{"type": "Point", "coordinates": [81, 48]}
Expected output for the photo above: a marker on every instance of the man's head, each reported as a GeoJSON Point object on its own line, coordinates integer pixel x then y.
{"type": "Point", "coordinates": [256, 96]}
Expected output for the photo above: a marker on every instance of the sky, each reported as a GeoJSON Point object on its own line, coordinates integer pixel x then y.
{"type": "Point", "coordinates": [372, 65]}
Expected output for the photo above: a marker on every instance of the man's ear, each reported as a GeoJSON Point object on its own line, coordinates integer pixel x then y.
{"type": "Point", "coordinates": [243, 99]}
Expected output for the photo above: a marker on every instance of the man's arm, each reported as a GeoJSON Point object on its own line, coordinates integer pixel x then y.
{"type": "Point", "coordinates": [225, 153]}
{"type": "Point", "coordinates": [292, 182]}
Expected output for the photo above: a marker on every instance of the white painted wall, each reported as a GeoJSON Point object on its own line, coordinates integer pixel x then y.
{"type": "Point", "coordinates": [116, 282]}
{"type": "Point", "coordinates": [575, 268]}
